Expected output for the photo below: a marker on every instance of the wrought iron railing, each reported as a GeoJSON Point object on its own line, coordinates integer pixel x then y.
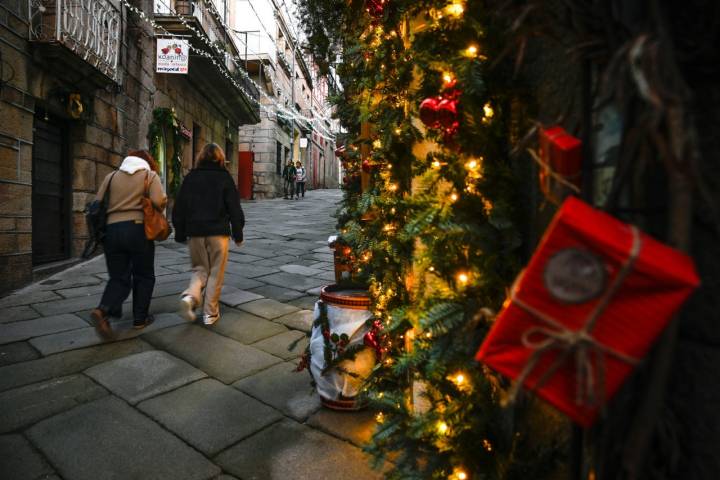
{"type": "Point", "coordinates": [89, 28]}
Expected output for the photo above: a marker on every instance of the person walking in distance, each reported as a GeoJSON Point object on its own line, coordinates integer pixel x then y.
{"type": "Point", "coordinates": [129, 255]}
{"type": "Point", "coordinates": [300, 178]}
{"type": "Point", "coordinates": [207, 212]}
{"type": "Point", "coordinates": [289, 179]}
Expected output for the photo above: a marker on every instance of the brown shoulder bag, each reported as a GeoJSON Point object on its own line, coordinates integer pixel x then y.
{"type": "Point", "coordinates": [156, 225]}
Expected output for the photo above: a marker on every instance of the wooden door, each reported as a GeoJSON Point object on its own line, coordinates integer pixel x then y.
{"type": "Point", "coordinates": [245, 174]}
{"type": "Point", "coordinates": [50, 212]}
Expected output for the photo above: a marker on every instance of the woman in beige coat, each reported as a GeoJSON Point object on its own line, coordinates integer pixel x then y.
{"type": "Point", "coordinates": [129, 255]}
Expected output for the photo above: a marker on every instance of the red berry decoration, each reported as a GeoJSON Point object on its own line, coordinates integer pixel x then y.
{"type": "Point", "coordinates": [376, 8]}
{"type": "Point", "coordinates": [165, 50]}
{"type": "Point", "coordinates": [178, 50]}
{"type": "Point", "coordinates": [429, 112]}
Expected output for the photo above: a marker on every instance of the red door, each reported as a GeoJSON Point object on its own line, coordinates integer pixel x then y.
{"type": "Point", "coordinates": [245, 174]}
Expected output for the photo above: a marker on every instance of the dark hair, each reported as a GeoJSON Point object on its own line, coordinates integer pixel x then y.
{"type": "Point", "coordinates": [211, 153]}
{"type": "Point", "coordinates": [145, 155]}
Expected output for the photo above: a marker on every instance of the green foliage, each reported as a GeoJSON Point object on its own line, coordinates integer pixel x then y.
{"type": "Point", "coordinates": [435, 233]}
{"type": "Point", "coordinates": [165, 122]}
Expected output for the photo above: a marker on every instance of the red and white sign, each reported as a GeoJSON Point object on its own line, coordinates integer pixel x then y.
{"type": "Point", "coordinates": [172, 55]}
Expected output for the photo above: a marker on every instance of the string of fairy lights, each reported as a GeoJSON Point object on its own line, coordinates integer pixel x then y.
{"type": "Point", "coordinates": [279, 109]}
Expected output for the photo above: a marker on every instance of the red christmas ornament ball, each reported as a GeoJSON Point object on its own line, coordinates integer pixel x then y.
{"type": "Point", "coordinates": [447, 113]}
{"type": "Point", "coordinates": [429, 112]}
{"type": "Point", "coordinates": [366, 166]}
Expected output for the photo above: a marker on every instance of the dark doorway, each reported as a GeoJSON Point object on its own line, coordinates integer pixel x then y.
{"type": "Point", "coordinates": [278, 158]}
{"type": "Point", "coordinates": [50, 193]}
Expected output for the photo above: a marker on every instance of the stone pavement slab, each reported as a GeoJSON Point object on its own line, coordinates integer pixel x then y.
{"type": "Point", "coordinates": [19, 374]}
{"type": "Point", "coordinates": [234, 296]}
{"type": "Point", "coordinates": [181, 267]}
{"type": "Point", "coordinates": [301, 320]}
{"type": "Point", "coordinates": [329, 277]}
{"type": "Point", "coordinates": [290, 450]}
{"type": "Point", "coordinates": [300, 270]}
{"type": "Point", "coordinates": [245, 327]}
{"type": "Point", "coordinates": [80, 291]}
{"type": "Point", "coordinates": [218, 356]}
{"type": "Point", "coordinates": [290, 251]}
{"type": "Point", "coordinates": [242, 258]}
{"type": "Point", "coordinates": [144, 375]}
{"type": "Point", "coordinates": [240, 282]}
{"type": "Point", "coordinates": [172, 277]}
{"type": "Point", "coordinates": [319, 257]}
{"type": "Point", "coordinates": [355, 427]}
{"type": "Point", "coordinates": [24, 330]}
{"type": "Point", "coordinates": [16, 299]}
{"type": "Point", "coordinates": [280, 259]}
{"type": "Point", "coordinates": [70, 305]}
{"type": "Point", "coordinates": [86, 337]}
{"type": "Point", "coordinates": [170, 288]}
{"type": "Point", "coordinates": [20, 460]}
{"type": "Point", "coordinates": [16, 353]}
{"type": "Point", "coordinates": [107, 439]}
{"type": "Point", "coordinates": [281, 294]}
{"type": "Point", "coordinates": [67, 279]}
{"type": "Point", "coordinates": [305, 303]}
{"type": "Point", "coordinates": [279, 345]}
{"type": "Point", "coordinates": [210, 415]}
{"type": "Point", "coordinates": [284, 388]}
{"type": "Point", "coordinates": [256, 251]}
{"type": "Point", "coordinates": [26, 405]}
{"type": "Point", "coordinates": [267, 308]}
{"type": "Point", "coordinates": [290, 280]}
{"type": "Point", "coordinates": [323, 266]}
{"type": "Point", "coordinates": [249, 270]}
{"type": "Point", "coordinates": [19, 313]}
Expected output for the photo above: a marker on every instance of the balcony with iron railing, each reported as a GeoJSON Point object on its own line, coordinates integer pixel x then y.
{"type": "Point", "coordinates": [82, 34]}
{"type": "Point", "coordinates": [218, 69]}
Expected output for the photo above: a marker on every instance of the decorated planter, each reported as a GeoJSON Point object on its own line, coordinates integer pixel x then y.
{"type": "Point", "coordinates": [341, 353]}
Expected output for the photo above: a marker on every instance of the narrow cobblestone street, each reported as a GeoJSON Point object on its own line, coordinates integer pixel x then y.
{"type": "Point", "coordinates": [180, 401]}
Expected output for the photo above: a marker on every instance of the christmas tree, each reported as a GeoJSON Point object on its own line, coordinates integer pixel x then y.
{"type": "Point", "coordinates": [431, 207]}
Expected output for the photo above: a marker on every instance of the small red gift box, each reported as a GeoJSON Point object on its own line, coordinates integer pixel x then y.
{"type": "Point", "coordinates": [561, 156]}
{"type": "Point", "coordinates": [590, 304]}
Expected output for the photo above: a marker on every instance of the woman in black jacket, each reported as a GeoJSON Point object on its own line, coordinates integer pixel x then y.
{"type": "Point", "coordinates": [207, 211]}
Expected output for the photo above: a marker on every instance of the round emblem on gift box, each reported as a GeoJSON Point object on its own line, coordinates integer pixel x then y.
{"type": "Point", "coordinates": [574, 276]}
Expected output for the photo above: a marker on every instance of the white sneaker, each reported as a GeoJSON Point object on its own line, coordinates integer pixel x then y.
{"type": "Point", "coordinates": [187, 308]}
{"type": "Point", "coordinates": [210, 319]}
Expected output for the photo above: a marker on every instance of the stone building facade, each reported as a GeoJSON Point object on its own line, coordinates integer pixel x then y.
{"type": "Point", "coordinates": [72, 105]}
{"type": "Point", "coordinates": [289, 79]}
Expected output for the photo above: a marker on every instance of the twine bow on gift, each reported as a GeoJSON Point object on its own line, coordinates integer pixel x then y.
{"type": "Point", "coordinates": [553, 335]}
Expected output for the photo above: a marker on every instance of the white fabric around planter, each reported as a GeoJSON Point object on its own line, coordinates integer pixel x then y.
{"type": "Point", "coordinates": [352, 323]}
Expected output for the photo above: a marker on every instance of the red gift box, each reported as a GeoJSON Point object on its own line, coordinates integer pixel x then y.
{"type": "Point", "coordinates": [561, 155]}
{"type": "Point", "coordinates": [586, 310]}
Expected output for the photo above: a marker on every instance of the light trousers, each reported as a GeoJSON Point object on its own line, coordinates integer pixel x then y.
{"type": "Point", "coordinates": [208, 256]}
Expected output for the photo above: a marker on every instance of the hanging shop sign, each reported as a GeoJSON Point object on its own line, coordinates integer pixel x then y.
{"type": "Point", "coordinates": [303, 142]}
{"type": "Point", "coordinates": [172, 55]}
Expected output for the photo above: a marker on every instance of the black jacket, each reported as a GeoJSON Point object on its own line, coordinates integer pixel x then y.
{"type": "Point", "coordinates": [207, 203]}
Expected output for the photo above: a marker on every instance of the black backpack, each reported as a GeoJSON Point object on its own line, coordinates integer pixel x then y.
{"type": "Point", "coordinates": [96, 221]}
